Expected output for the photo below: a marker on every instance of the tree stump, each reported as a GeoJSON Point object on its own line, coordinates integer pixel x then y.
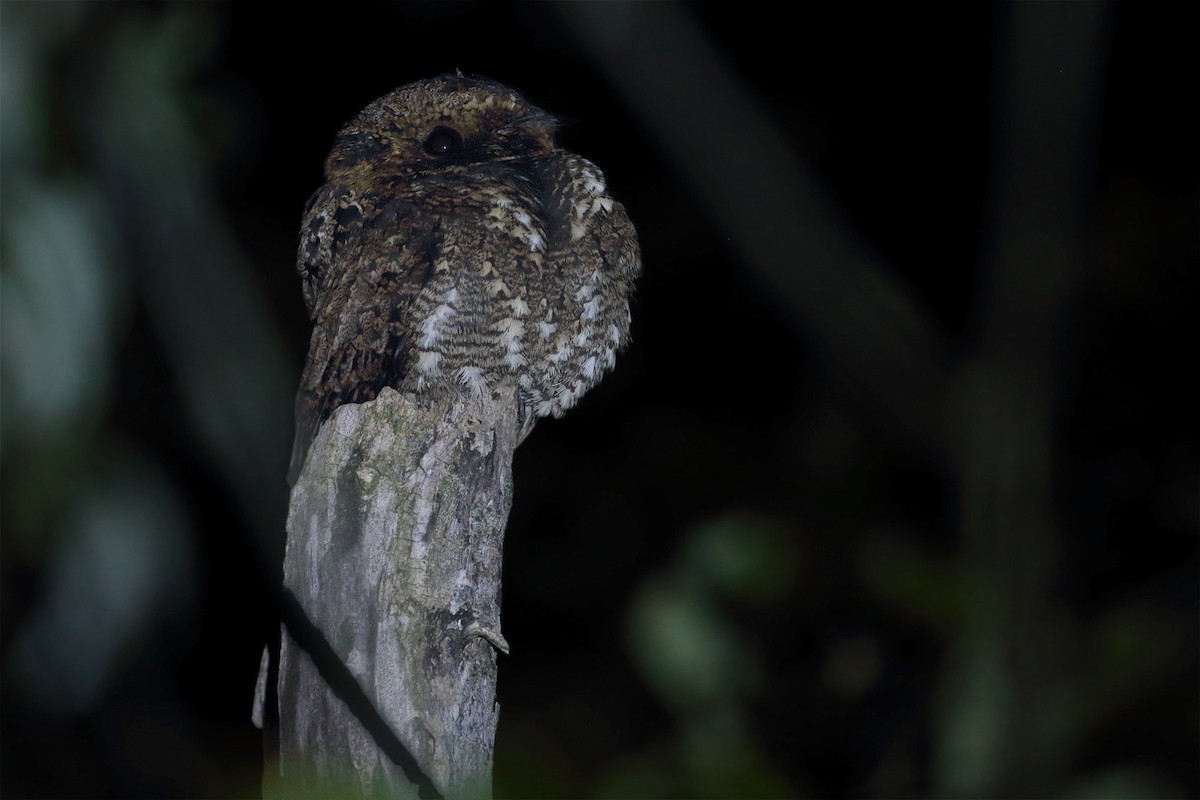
{"type": "Point", "coordinates": [395, 541]}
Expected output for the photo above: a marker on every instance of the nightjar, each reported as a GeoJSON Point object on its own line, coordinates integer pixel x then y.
{"type": "Point", "coordinates": [453, 248]}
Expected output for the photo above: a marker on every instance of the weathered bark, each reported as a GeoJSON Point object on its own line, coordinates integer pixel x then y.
{"type": "Point", "coordinates": [395, 535]}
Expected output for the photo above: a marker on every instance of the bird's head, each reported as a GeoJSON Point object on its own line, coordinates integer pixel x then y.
{"type": "Point", "coordinates": [444, 126]}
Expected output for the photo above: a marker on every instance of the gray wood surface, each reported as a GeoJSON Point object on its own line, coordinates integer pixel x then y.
{"type": "Point", "coordinates": [395, 535]}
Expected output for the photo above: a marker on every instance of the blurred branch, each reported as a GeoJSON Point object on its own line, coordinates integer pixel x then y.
{"type": "Point", "coordinates": [1004, 700]}
{"type": "Point", "coordinates": [1008, 704]}
{"type": "Point", "coordinates": [760, 190]}
{"type": "Point", "coordinates": [222, 342]}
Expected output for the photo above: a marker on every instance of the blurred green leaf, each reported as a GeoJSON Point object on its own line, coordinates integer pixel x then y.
{"type": "Point", "coordinates": [61, 302]}
{"type": "Point", "coordinates": [124, 565]}
{"type": "Point", "coordinates": [932, 590]}
{"type": "Point", "coordinates": [973, 716]}
{"type": "Point", "coordinates": [743, 556]}
{"type": "Point", "coordinates": [1123, 783]}
{"type": "Point", "coordinates": [687, 651]}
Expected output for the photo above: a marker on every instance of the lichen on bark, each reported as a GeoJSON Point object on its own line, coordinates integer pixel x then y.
{"type": "Point", "coordinates": [395, 540]}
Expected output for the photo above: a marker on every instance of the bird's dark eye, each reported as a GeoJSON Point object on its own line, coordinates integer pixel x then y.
{"type": "Point", "coordinates": [443, 141]}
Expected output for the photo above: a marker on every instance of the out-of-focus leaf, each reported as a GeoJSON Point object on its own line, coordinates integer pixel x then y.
{"type": "Point", "coordinates": [1123, 783]}
{"type": "Point", "coordinates": [125, 566]}
{"type": "Point", "coordinates": [685, 649]}
{"type": "Point", "coordinates": [973, 715]}
{"type": "Point", "coordinates": [722, 760]}
{"type": "Point", "coordinates": [929, 589]}
{"type": "Point", "coordinates": [61, 295]}
{"type": "Point", "coordinates": [743, 556]}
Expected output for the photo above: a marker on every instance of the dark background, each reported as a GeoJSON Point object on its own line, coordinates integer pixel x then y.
{"type": "Point", "coordinates": [894, 494]}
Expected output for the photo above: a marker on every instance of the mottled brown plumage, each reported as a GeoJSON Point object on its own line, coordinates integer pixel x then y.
{"type": "Point", "coordinates": [455, 248]}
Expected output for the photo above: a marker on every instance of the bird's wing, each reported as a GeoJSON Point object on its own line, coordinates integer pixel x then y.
{"type": "Point", "coordinates": [363, 259]}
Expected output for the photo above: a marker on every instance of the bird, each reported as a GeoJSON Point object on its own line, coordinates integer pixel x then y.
{"type": "Point", "coordinates": [454, 249]}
